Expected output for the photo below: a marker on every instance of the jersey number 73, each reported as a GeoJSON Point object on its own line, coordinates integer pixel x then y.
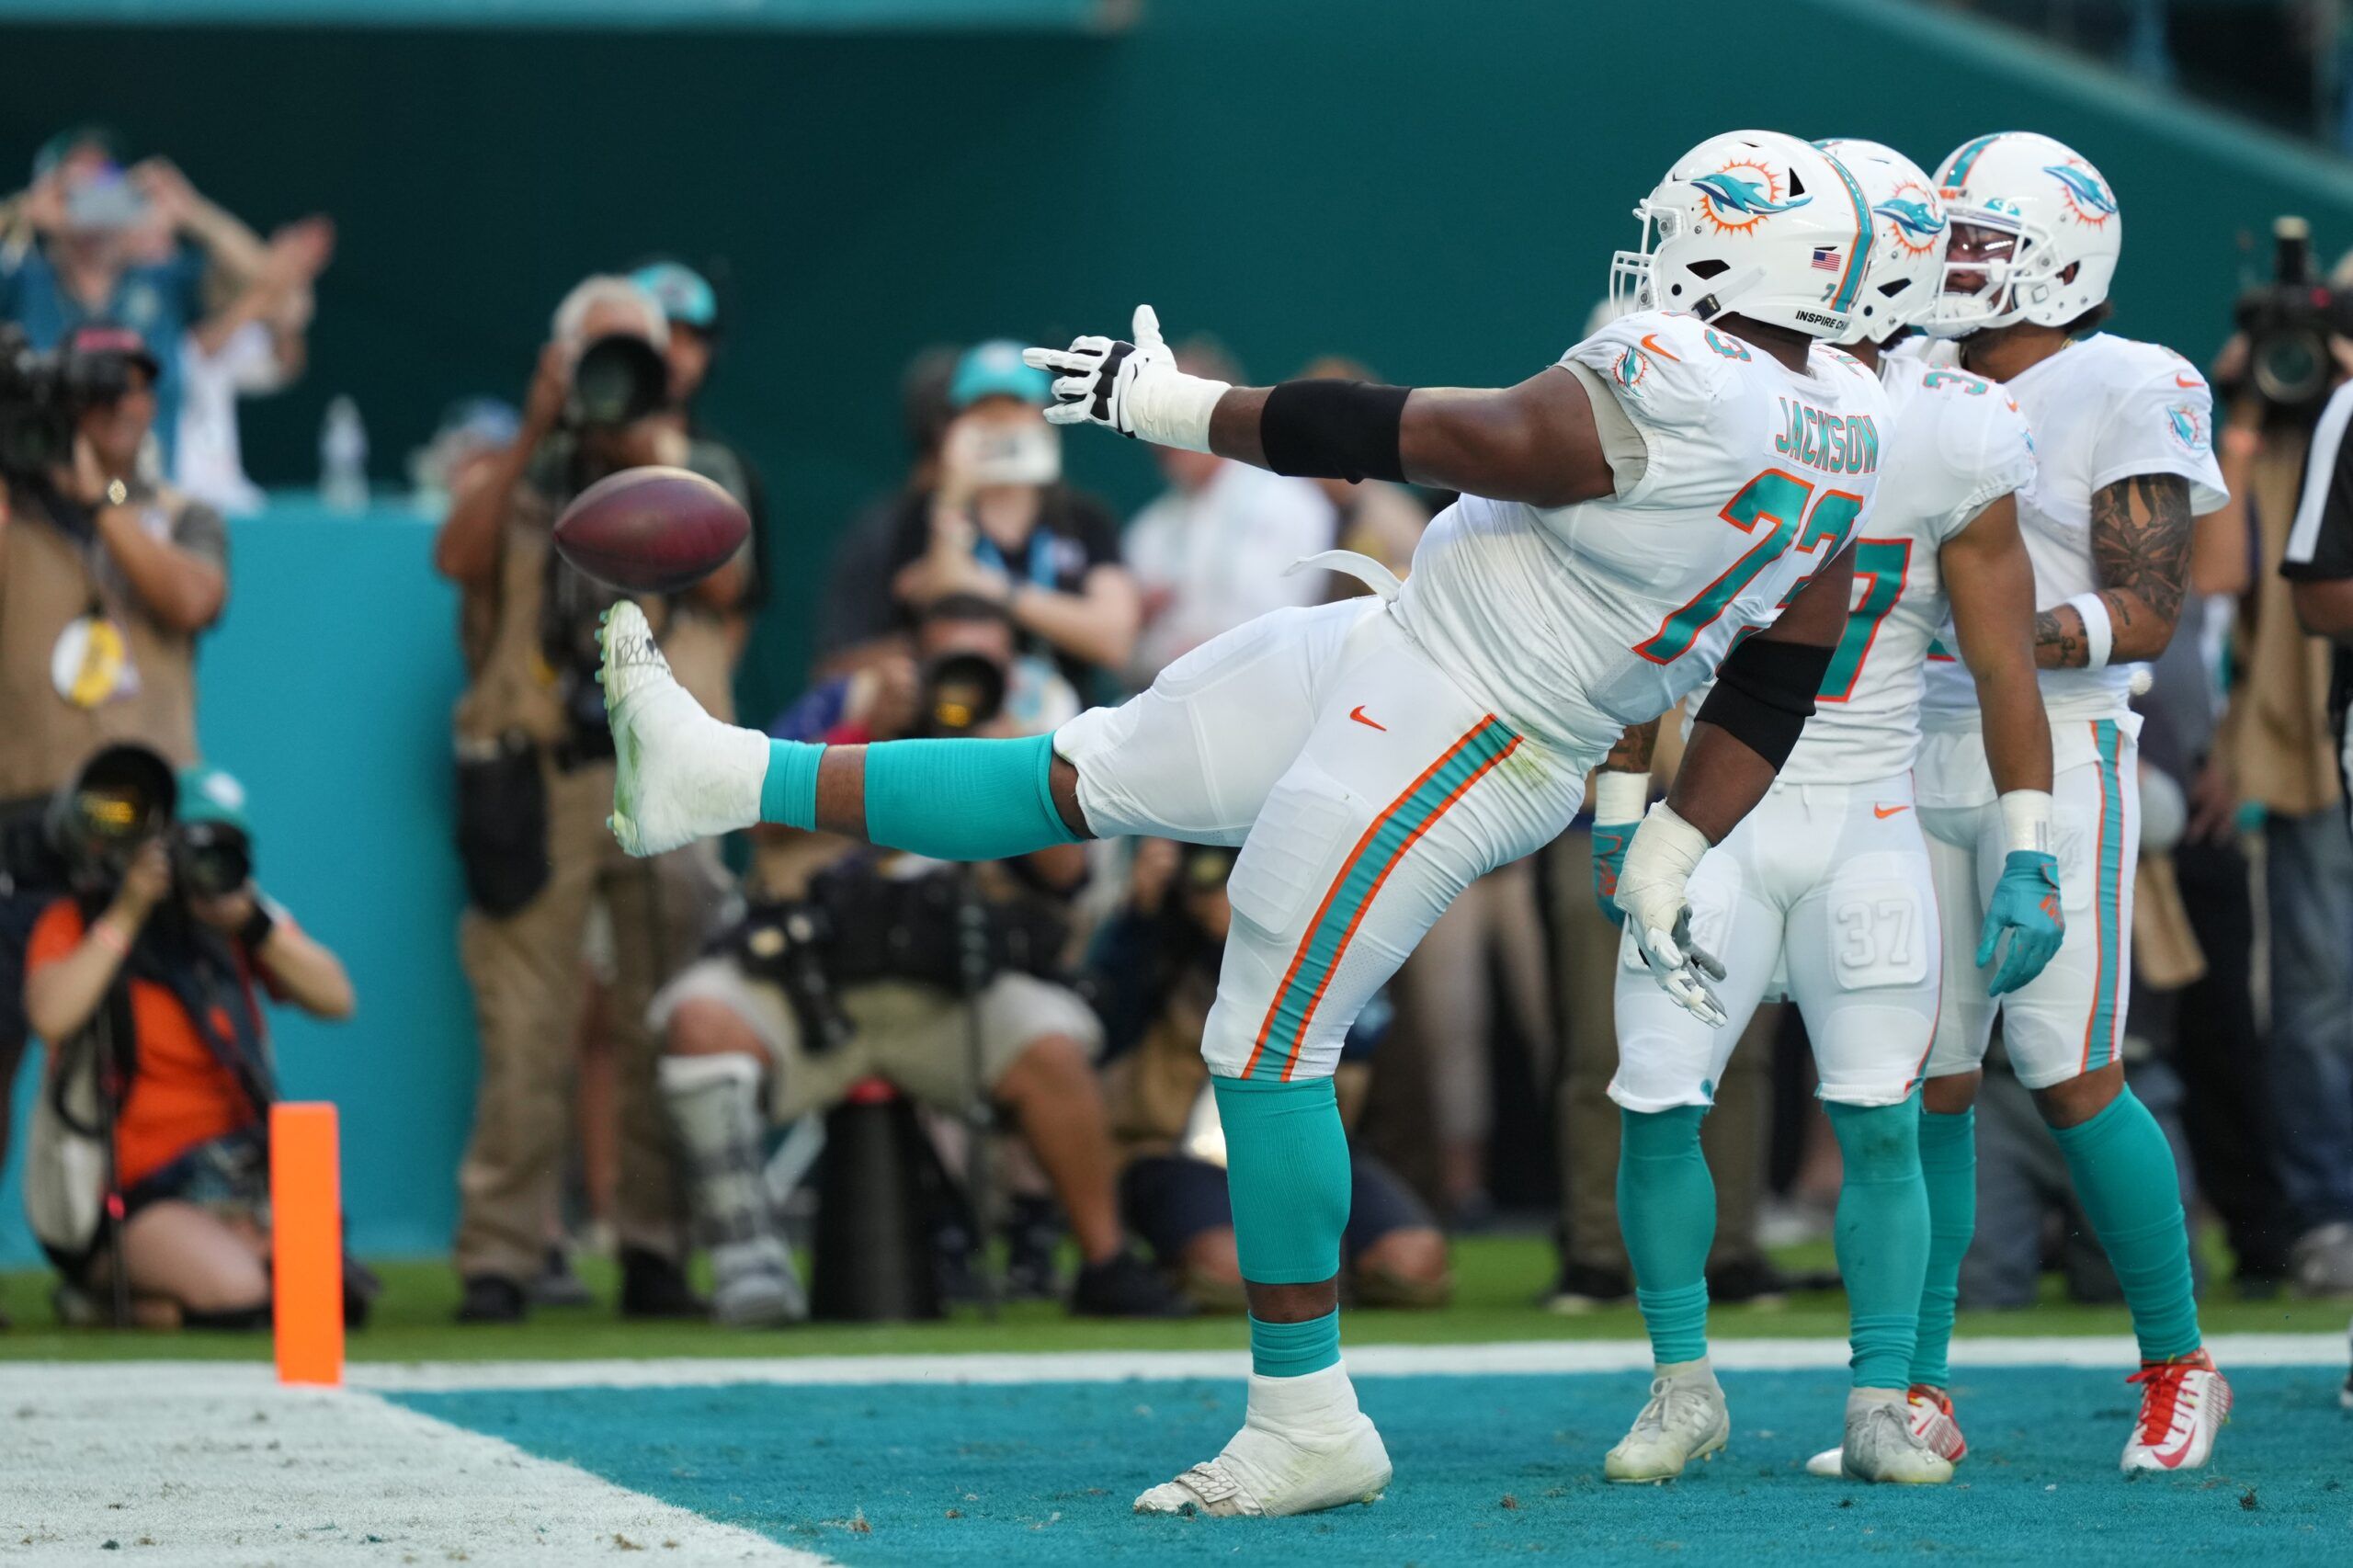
{"type": "Point", "coordinates": [1798, 517]}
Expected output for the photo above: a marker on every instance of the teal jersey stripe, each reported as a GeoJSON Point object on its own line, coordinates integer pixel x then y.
{"type": "Point", "coordinates": [1376, 854]}
{"type": "Point", "coordinates": [2099, 1031]}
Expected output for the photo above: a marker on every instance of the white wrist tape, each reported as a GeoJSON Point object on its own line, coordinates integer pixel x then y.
{"type": "Point", "coordinates": [1659, 862]}
{"type": "Point", "coordinates": [1619, 796]}
{"type": "Point", "coordinates": [1169, 408]}
{"type": "Point", "coordinates": [2099, 632]}
{"type": "Point", "coordinates": [2026, 819]}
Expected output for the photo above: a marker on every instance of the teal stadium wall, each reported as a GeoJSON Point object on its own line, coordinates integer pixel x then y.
{"type": "Point", "coordinates": [1433, 187]}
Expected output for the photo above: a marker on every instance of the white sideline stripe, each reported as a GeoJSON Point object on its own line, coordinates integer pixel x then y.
{"type": "Point", "coordinates": [1369, 1360]}
{"type": "Point", "coordinates": [218, 1465]}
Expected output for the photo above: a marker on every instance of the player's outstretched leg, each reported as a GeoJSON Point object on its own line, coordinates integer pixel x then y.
{"type": "Point", "coordinates": [1303, 1445]}
{"type": "Point", "coordinates": [682, 774]}
{"type": "Point", "coordinates": [1667, 1208]}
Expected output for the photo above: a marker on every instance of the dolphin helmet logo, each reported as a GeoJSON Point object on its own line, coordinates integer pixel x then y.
{"type": "Point", "coordinates": [1740, 196]}
{"type": "Point", "coordinates": [1917, 225]}
{"type": "Point", "coordinates": [2087, 201]}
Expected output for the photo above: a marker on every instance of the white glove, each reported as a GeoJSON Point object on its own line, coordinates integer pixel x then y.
{"type": "Point", "coordinates": [1133, 388]}
{"type": "Point", "coordinates": [1651, 889]}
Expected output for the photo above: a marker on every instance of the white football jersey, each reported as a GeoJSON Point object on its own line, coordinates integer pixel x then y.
{"type": "Point", "coordinates": [2102, 409]}
{"type": "Point", "coordinates": [1576, 622]}
{"type": "Point", "coordinates": [1958, 444]}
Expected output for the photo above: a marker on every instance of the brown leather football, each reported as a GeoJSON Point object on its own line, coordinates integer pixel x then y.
{"type": "Point", "coordinates": [652, 531]}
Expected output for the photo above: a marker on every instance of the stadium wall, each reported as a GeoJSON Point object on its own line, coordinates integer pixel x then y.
{"type": "Point", "coordinates": [1433, 187]}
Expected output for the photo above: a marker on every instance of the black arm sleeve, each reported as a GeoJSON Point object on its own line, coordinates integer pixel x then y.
{"type": "Point", "coordinates": [1333, 430]}
{"type": "Point", "coordinates": [1763, 695]}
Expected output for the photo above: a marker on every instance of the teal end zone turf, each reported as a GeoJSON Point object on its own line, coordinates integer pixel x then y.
{"type": "Point", "coordinates": [1488, 1468]}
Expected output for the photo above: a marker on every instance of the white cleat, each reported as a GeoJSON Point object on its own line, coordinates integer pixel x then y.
{"type": "Point", "coordinates": [1883, 1444]}
{"type": "Point", "coordinates": [2183, 1405]}
{"type": "Point", "coordinates": [1933, 1423]}
{"type": "Point", "coordinates": [1684, 1420]}
{"type": "Point", "coordinates": [680, 773]}
{"type": "Point", "coordinates": [1303, 1445]}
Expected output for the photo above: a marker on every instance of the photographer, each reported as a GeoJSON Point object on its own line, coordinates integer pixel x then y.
{"type": "Point", "coordinates": [857, 971]}
{"type": "Point", "coordinates": [91, 241]}
{"type": "Point", "coordinates": [535, 784]}
{"type": "Point", "coordinates": [2285, 435]}
{"type": "Point", "coordinates": [105, 583]}
{"type": "Point", "coordinates": [999, 524]}
{"type": "Point", "coordinates": [1156, 964]}
{"type": "Point", "coordinates": [141, 979]}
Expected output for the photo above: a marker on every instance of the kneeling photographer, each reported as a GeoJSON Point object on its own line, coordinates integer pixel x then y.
{"type": "Point", "coordinates": [535, 784]}
{"type": "Point", "coordinates": [147, 1180]}
{"type": "Point", "coordinates": [944, 980]}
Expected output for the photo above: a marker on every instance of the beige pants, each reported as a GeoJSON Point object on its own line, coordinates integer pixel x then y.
{"type": "Point", "coordinates": [526, 971]}
{"type": "Point", "coordinates": [1733, 1137]}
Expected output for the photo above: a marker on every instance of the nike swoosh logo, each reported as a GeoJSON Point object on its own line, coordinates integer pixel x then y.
{"type": "Point", "coordinates": [1358, 714]}
{"type": "Point", "coordinates": [1884, 811]}
{"type": "Point", "coordinates": [1650, 341]}
{"type": "Point", "coordinates": [2181, 380]}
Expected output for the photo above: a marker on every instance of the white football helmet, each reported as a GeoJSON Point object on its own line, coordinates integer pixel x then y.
{"type": "Point", "coordinates": [1907, 269]}
{"type": "Point", "coordinates": [2036, 233]}
{"type": "Point", "coordinates": [1754, 223]}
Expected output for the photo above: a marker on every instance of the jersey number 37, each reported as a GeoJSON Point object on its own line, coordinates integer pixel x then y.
{"type": "Point", "coordinates": [1798, 517]}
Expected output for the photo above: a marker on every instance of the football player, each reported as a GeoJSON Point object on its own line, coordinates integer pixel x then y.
{"type": "Point", "coordinates": [2124, 462]}
{"type": "Point", "coordinates": [1823, 892]}
{"type": "Point", "coordinates": [1677, 480]}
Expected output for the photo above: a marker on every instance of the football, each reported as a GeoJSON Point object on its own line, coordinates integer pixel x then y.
{"type": "Point", "coordinates": [652, 531]}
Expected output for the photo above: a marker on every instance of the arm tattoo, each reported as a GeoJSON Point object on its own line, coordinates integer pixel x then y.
{"type": "Point", "coordinates": [1633, 752]}
{"type": "Point", "coordinates": [2059, 640]}
{"type": "Point", "coordinates": [2140, 539]}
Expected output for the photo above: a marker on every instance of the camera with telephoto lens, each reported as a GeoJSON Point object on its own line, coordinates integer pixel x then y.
{"type": "Point", "coordinates": [962, 692]}
{"type": "Point", "coordinates": [2288, 323]}
{"type": "Point", "coordinates": [617, 380]}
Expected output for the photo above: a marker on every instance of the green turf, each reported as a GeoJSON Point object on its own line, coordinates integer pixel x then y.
{"type": "Point", "coordinates": [1498, 1278]}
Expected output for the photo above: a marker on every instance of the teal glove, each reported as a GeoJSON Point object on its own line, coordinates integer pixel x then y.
{"type": "Point", "coordinates": [2026, 904]}
{"type": "Point", "coordinates": [1609, 841]}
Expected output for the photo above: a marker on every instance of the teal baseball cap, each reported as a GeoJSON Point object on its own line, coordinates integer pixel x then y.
{"type": "Point", "coordinates": [211, 794]}
{"type": "Point", "coordinates": [995, 369]}
{"type": "Point", "coordinates": [684, 295]}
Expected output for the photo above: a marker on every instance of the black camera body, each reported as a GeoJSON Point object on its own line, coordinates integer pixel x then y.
{"type": "Point", "coordinates": [36, 407]}
{"type": "Point", "coordinates": [617, 380]}
{"type": "Point", "coordinates": [2288, 323]}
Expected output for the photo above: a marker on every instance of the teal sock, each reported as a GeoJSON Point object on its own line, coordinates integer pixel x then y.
{"type": "Point", "coordinates": [1667, 1210]}
{"type": "Point", "coordinates": [2128, 1184]}
{"type": "Point", "coordinates": [1295, 1350]}
{"type": "Point", "coordinates": [1949, 1169]}
{"type": "Point", "coordinates": [788, 790]}
{"type": "Point", "coordinates": [960, 800]}
{"type": "Point", "coordinates": [1881, 1238]}
{"type": "Point", "coordinates": [1287, 1178]}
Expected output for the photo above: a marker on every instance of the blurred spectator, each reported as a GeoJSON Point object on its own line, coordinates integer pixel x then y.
{"type": "Point", "coordinates": [1375, 519]}
{"type": "Point", "coordinates": [105, 583]}
{"type": "Point", "coordinates": [141, 976]}
{"type": "Point", "coordinates": [473, 432]}
{"type": "Point", "coordinates": [854, 970]}
{"type": "Point", "coordinates": [999, 524]}
{"type": "Point", "coordinates": [1157, 965]}
{"type": "Point", "coordinates": [90, 241]}
{"type": "Point", "coordinates": [2314, 1044]}
{"type": "Point", "coordinates": [1216, 550]}
{"type": "Point", "coordinates": [252, 343]}
{"type": "Point", "coordinates": [535, 784]}
{"type": "Point", "coordinates": [859, 619]}
{"type": "Point", "coordinates": [690, 305]}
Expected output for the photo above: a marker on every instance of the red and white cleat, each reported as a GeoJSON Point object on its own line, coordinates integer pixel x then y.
{"type": "Point", "coordinates": [1932, 1422]}
{"type": "Point", "coordinates": [2184, 1402]}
